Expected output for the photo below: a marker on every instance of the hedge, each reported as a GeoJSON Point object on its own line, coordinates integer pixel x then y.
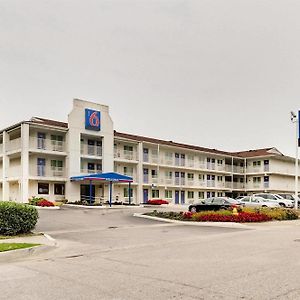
{"type": "Point", "coordinates": [17, 218]}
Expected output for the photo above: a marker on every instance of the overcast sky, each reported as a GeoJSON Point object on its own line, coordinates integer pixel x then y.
{"type": "Point", "coordinates": [215, 73]}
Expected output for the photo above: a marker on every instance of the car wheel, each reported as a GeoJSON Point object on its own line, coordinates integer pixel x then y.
{"type": "Point", "coordinates": [193, 209]}
{"type": "Point", "coordinates": [282, 204]}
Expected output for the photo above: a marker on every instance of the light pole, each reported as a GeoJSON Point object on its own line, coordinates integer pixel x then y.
{"type": "Point", "coordinates": [295, 120]}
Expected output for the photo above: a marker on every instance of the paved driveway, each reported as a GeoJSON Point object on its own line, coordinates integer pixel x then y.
{"type": "Point", "coordinates": [109, 254]}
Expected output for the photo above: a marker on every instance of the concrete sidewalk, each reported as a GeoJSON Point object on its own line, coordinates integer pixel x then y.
{"type": "Point", "coordinates": [46, 243]}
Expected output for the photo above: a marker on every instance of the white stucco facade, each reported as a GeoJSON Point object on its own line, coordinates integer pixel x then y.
{"type": "Point", "coordinates": [38, 158]}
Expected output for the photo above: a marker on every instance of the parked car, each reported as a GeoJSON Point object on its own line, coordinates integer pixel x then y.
{"type": "Point", "coordinates": [290, 197]}
{"type": "Point", "coordinates": [254, 201]}
{"type": "Point", "coordinates": [281, 201]}
{"type": "Point", "coordinates": [214, 203]}
{"type": "Point", "coordinates": [239, 197]}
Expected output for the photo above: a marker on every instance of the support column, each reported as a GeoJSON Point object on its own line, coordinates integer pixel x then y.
{"type": "Point", "coordinates": [5, 168]}
{"type": "Point", "coordinates": [140, 174]}
{"type": "Point", "coordinates": [24, 195]}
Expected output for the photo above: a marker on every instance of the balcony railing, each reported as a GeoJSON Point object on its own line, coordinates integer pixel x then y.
{"type": "Point", "coordinates": [90, 150]}
{"type": "Point", "coordinates": [126, 154]}
{"type": "Point", "coordinates": [89, 171]}
{"type": "Point", "coordinates": [13, 145]}
{"type": "Point", "coordinates": [45, 171]}
{"type": "Point", "coordinates": [46, 144]}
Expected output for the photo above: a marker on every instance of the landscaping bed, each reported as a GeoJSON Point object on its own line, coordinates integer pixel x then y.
{"type": "Point", "coordinates": [245, 215]}
{"type": "Point", "coordinates": [14, 246]}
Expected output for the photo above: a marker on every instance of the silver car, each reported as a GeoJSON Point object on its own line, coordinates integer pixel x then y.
{"type": "Point", "coordinates": [254, 201]}
{"type": "Point", "coordinates": [282, 202]}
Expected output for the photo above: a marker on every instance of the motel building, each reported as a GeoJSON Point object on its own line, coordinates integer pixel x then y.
{"type": "Point", "coordinates": [40, 156]}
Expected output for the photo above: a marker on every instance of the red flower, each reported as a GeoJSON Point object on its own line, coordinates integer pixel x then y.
{"type": "Point", "coordinates": [157, 201]}
{"type": "Point", "coordinates": [45, 203]}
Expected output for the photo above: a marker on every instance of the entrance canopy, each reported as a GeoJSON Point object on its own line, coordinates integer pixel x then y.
{"type": "Point", "coordinates": [111, 177]}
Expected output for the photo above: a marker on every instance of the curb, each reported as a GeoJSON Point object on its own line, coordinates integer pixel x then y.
{"type": "Point", "coordinates": [46, 207]}
{"type": "Point", "coordinates": [190, 223]}
{"type": "Point", "coordinates": [13, 255]}
{"type": "Point", "coordinates": [101, 207]}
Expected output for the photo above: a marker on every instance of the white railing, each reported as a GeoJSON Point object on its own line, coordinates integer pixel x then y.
{"type": "Point", "coordinates": [238, 185]}
{"type": "Point", "coordinates": [228, 184]}
{"type": "Point", "coordinates": [257, 185]}
{"type": "Point", "coordinates": [190, 182]}
{"type": "Point", "coordinates": [126, 154]}
{"type": "Point", "coordinates": [90, 150]}
{"type": "Point", "coordinates": [46, 144]}
{"type": "Point", "coordinates": [238, 169]}
{"type": "Point", "coordinates": [45, 171]}
{"type": "Point", "coordinates": [89, 171]}
{"type": "Point", "coordinates": [13, 145]}
{"type": "Point", "coordinates": [254, 170]}
{"type": "Point", "coordinates": [211, 183]}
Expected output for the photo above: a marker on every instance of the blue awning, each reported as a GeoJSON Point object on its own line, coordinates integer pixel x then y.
{"type": "Point", "coordinates": [109, 177]}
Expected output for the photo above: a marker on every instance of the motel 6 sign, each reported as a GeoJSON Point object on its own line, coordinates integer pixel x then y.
{"type": "Point", "coordinates": [92, 119]}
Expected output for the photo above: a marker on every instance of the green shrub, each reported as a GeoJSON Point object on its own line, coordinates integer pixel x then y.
{"type": "Point", "coordinates": [34, 200]}
{"type": "Point", "coordinates": [17, 218]}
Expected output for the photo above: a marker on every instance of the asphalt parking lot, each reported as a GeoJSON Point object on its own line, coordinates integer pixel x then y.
{"type": "Point", "coordinates": [109, 254]}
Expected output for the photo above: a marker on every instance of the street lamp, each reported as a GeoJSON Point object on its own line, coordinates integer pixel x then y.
{"type": "Point", "coordinates": [295, 120]}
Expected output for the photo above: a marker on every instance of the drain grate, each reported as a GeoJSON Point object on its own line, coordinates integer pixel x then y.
{"type": "Point", "coordinates": [112, 227]}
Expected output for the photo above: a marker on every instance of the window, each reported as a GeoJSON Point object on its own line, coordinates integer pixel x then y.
{"type": "Point", "coordinates": [220, 178]}
{"type": "Point", "coordinates": [266, 178]}
{"type": "Point", "coordinates": [91, 166]}
{"type": "Point", "coordinates": [220, 162]}
{"type": "Point", "coordinates": [55, 164]}
{"type": "Point", "coordinates": [190, 195]}
{"type": "Point", "coordinates": [190, 176]}
{"type": "Point", "coordinates": [168, 175]}
{"type": "Point", "coordinates": [201, 177]}
{"type": "Point", "coordinates": [58, 138]}
{"type": "Point", "coordinates": [256, 163]}
{"type": "Point", "coordinates": [128, 171]}
{"type": "Point", "coordinates": [43, 188]}
{"type": "Point", "coordinates": [256, 179]}
{"type": "Point", "coordinates": [59, 189]}
{"type": "Point", "coordinates": [168, 194]}
{"type": "Point", "coordinates": [154, 173]}
{"type": "Point", "coordinates": [201, 195]}
{"type": "Point", "coordinates": [246, 199]}
{"type": "Point", "coordinates": [126, 194]}
{"type": "Point", "coordinates": [155, 193]}
{"type": "Point", "coordinates": [220, 194]}
{"type": "Point", "coordinates": [213, 194]}
{"type": "Point", "coordinates": [128, 148]}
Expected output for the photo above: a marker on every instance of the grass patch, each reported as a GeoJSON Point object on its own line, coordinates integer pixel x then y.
{"type": "Point", "coordinates": [14, 246]}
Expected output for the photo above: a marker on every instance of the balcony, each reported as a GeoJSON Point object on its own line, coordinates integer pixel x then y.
{"type": "Point", "coordinates": [166, 161]}
{"type": "Point", "coordinates": [89, 171]}
{"type": "Point", "coordinates": [90, 150]}
{"type": "Point", "coordinates": [44, 171]}
{"type": "Point", "coordinates": [211, 183]}
{"type": "Point", "coordinates": [46, 144]}
{"type": "Point", "coordinates": [13, 145]}
{"type": "Point", "coordinates": [126, 154]}
{"type": "Point", "coordinates": [190, 182]}
{"type": "Point", "coordinates": [238, 169]}
{"type": "Point", "coordinates": [238, 185]}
